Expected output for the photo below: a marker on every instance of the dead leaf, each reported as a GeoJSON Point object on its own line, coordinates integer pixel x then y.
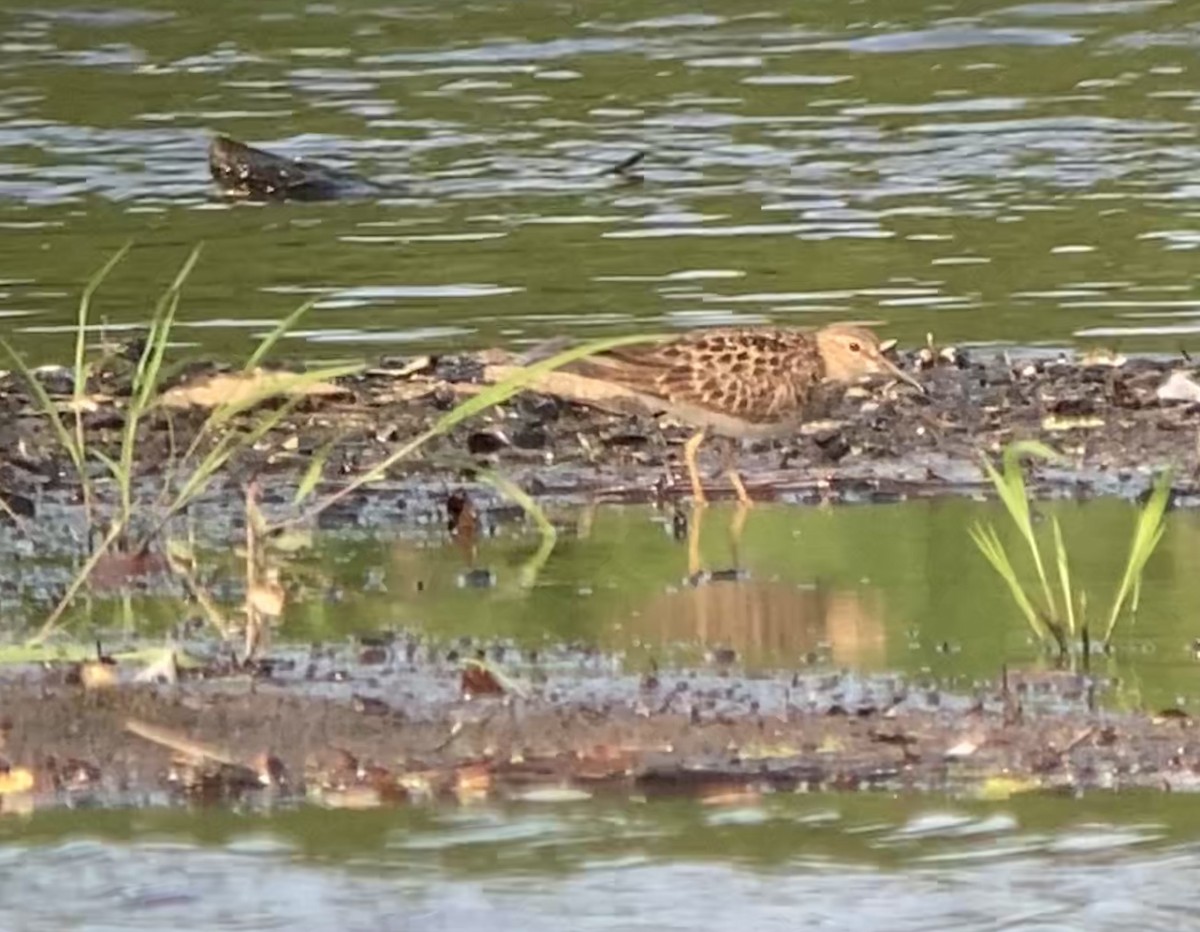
{"type": "Point", "coordinates": [352, 797]}
{"type": "Point", "coordinates": [553, 794]}
{"type": "Point", "coordinates": [267, 597]}
{"type": "Point", "coordinates": [472, 782]}
{"type": "Point", "coordinates": [412, 367]}
{"type": "Point", "coordinates": [1056, 422]}
{"type": "Point", "coordinates": [1179, 386]}
{"type": "Point", "coordinates": [1100, 356]}
{"type": "Point", "coordinates": [84, 404]}
{"type": "Point", "coordinates": [244, 388]}
{"type": "Point", "coordinates": [962, 750]}
{"type": "Point", "coordinates": [179, 743]}
{"type": "Point", "coordinates": [478, 680]}
{"type": "Point", "coordinates": [16, 780]}
{"type": "Point", "coordinates": [164, 669]}
{"type": "Point", "coordinates": [98, 674]}
{"type": "Point", "coordinates": [596, 393]}
{"type": "Point", "coordinates": [740, 796]}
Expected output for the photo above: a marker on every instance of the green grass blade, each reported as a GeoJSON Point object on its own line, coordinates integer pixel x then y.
{"type": "Point", "coordinates": [518, 495]}
{"type": "Point", "coordinates": [489, 397]}
{"type": "Point", "coordinates": [1010, 487]}
{"type": "Point", "coordinates": [85, 307]}
{"type": "Point", "coordinates": [312, 475]}
{"type": "Point", "coordinates": [80, 367]}
{"type": "Point", "coordinates": [1064, 575]}
{"type": "Point", "coordinates": [115, 468]}
{"type": "Point", "coordinates": [1147, 533]}
{"type": "Point", "coordinates": [147, 374]}
{"type": "Point", "coordinates": [281, 329]}
{"type": "Point", "coordinates": [548, 533]}
{"type": "Point", "coordinates": [988, 542]}
{"type": "Point", "coordinates": [150, 364]}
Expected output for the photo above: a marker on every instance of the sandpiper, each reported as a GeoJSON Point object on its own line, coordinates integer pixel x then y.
{"type": "Point", "coordinates": [742, 382]}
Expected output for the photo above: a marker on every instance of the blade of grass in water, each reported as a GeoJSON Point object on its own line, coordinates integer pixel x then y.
{"type": "Point", "coordinates": [1010, 486]}
{"type": "Point", "coordinates": [312, 473]}
{"type": "Point", "coordinates": [1064, 575]}
{"type": "Point", "coordinates": [281, 329]}
{"type": "Point", "coordinates": [549, 535]}
{"type": "Point", "coordinates": [988, 542]}
{"type": "Point", "coordinates": [1147, 533]}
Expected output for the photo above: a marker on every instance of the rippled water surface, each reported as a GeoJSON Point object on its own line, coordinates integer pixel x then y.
{"type": "Point", "coordinates": [1013, 172]}
{"type": "Point", "coordinates": [988, 171]}
{"type": "Point", "coordinates": [787, 863]}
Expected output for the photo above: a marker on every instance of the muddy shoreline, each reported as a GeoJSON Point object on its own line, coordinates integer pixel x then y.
{"type": "Point", "coordinates": [400, 724]}
{"type": "Point", "coordinates": [867, 444]}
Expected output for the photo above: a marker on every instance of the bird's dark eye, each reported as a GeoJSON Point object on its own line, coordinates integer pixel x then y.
{"type": "Point", "coordinates": [854, 347]}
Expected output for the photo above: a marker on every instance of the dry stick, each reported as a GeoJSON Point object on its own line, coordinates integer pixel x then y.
{"type": "Point", "coordinates": [252, 617]}
{"type": "Point", "coordinates": [203, 599]}
{"type": "Point", "coordinates": [180, 744]}
{"type": "Point", "coordinates": [81, 577]}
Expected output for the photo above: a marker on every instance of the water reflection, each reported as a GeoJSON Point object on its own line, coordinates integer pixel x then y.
{"type": "Point", "coordinates": [726, 611]}
{"type": "Point", "coordinates": [766, 621]}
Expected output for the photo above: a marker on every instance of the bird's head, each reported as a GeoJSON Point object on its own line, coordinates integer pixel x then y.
{"type": "Point", "coordinates": [851, 353]}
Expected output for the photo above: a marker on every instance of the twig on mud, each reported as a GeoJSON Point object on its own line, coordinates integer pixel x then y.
{"type": "Point", "coordinates": [197, 592]}
{"type": "Point", "coordinates": [1078, 740]}
{"type": "Point", "coordinates": [253, 619]}
{"type": "Point", "coordinates": [180, 744]}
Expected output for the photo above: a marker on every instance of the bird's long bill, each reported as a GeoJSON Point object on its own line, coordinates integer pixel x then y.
{"type": "Point", "coordinates": [894, 370]}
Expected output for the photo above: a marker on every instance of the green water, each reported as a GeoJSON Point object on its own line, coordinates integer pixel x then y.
{"type": "Point", "coordinates": [828, 862]}
{"type": "Point", "coordinates": [872, 588]}
{"type": "Point", "coordinates": [985, 171]}
{"type": "Point", "coordinates": [1020, 173]}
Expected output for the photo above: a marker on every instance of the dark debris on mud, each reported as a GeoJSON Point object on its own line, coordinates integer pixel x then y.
{"type": "Point", "coordinates": [399, 724]}
{"type": "Point", "coordinates": [867, 444]}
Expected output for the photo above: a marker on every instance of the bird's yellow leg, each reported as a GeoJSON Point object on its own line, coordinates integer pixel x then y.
{"type": "Point", "coordinates": [689, 457]}
{"type": "Point", "coordinates": [735, 479]}
{"type": "Point", "coordinates": [693, 542]}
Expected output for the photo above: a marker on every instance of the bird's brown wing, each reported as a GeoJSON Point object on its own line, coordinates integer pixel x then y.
{"type": "Point", "coordinates": [757, 375]}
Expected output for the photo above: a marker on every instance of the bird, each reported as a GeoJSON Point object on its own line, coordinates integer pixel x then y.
{"type": "Point", "coordinates": [741, 382]}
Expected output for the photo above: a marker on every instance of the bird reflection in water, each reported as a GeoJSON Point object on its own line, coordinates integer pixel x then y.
{"type": "Point", "coordinates": [764, 620]}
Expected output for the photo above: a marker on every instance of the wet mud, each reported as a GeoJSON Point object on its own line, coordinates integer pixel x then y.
{"type": "Point", "coordinates": [398, 722]}
{"type": "Point", "coordinates": [864, 444]}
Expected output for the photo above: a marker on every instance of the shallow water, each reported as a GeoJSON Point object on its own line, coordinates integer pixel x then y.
{"type": "Point", "coordinates": [989, 171]}
{"type": "Point", "coordinates": [869, 588]}
{"type": "Point", "coordinates": [828, 862]}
